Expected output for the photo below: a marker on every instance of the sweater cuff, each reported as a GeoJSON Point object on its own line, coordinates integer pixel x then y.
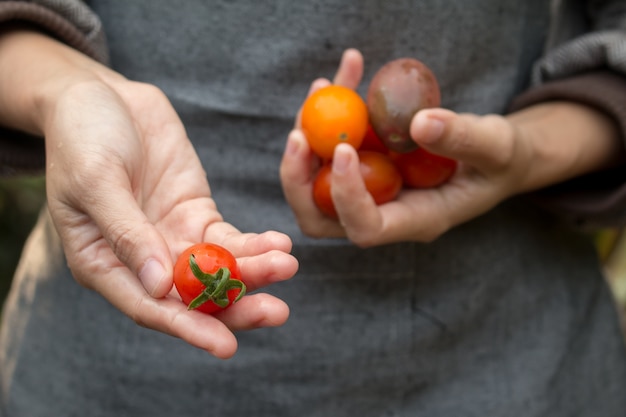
{"type": "Point", "coordinates": [89, 41]}
{"type": "Point", "coordinates": [597, 199]}
{"type": "Point", "coordinates": [21, 153]}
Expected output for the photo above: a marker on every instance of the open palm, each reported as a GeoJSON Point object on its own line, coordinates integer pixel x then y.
{"type": "Point", "coordinates": [127, 194]}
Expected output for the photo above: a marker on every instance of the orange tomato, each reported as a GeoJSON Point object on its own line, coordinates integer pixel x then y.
{"type": "Point", "coordinates": [333, 115]}
{"type": "Point", "coordinates": [381, 177]}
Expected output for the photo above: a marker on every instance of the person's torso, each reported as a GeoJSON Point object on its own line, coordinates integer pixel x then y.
{"type": "Point", "coordinates": [498, 317]}
{"type": "Point", "coordinates": [237, 71]}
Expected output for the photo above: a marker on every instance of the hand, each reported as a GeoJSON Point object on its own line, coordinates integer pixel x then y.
{"type": "Point", "coordinates": [127, 194]}
{"type": "Point", "coordinates": [498, 157]}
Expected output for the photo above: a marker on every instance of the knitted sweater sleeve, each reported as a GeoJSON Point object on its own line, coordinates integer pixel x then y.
{"type": "Point", "coordinates": [585, 61]}
{"type": "Point", "coordinates": [70, 21]}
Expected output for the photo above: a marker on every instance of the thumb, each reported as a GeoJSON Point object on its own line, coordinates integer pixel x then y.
{"type": "Point", "coordinates": [138, 244]}
{"type": "Point", "coordinates": [484, 142]}
{"type": "Point", "coordinates": [130, 235]}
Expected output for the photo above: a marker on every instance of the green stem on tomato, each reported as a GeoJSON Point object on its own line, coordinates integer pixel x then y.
{"type": "Point", "coordinates": [216, 286]}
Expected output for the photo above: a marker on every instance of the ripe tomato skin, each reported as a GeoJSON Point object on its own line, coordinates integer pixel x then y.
{"type": "Point", "coordinates": [397, 91]}
{"type": "Point", "coordinates": [321, 192]}
{"type": "Point", "coordinates": [381, 177]}
{"type": "Point", "coordinates": [371, 141]}
{"type": "Point", "coordinates": [209, 258]}
{"type": "Point", "coordinates": [332, 115]}
{"type": "Point", "coordinates": [423, 169]}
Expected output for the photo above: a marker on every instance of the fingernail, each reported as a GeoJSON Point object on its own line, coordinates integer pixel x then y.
{"type": "Point", "coordinates": [428, 129]}
{"type": "Point", "coordinates": [293, 144]}
{"type": "Point", "coordinates": [434, 129]}
{"type": "Point", "coordinates": [341, 160]}
{"type": "Point", "coordinates": [151, 275]}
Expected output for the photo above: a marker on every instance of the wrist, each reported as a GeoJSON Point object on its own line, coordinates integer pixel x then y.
{"type": "Point", "coordinates": [567, 140]}
{"type": "Point", "coordinates": [35, 72]}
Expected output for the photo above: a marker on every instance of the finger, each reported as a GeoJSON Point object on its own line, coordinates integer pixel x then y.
{"type": "Point", "coordinates": [350, 70]}
{"type": "Point", "coordinates": [167, 315]}
{"type": "Point", "coordinates": [483, 142]}
{"type": "Point", "coordinates": [255, 311]}
{"type": "Point", "coordinates": [296, 174]}
{"type": "Point", "coordinates": [129, 234]}
{"type": "Point", "coordinates": [256, 244]}
{"type": "Point", "coordinates": [262, 258]}
{"type": "Point", "coordinates": [267, 268]}
{"type": "Point", "coordinates": [355, 206]}
{"type": "Point", "coordinates": [415, 215]}
{"type": "Point", "coordinates": [212, 333]}
{"type": "Point", "coordinates": [418, 215]}
{"type": "Point", "coordinates": [246, 244]}
{"type": "Point", "coordinates": [296, 168]}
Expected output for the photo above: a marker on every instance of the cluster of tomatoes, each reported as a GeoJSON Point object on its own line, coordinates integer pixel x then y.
{"type": "Point", "coordinates": [337, 114]}
{"type": "Point", "coordinates": [207, 276]}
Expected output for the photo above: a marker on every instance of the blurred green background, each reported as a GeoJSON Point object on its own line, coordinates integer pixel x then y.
{"type": "Point", "coordinates": [21, 200]}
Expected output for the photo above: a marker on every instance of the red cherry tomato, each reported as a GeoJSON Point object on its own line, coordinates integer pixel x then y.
{"type": "Point", "coordinates": [422, 169]}
{"type": "Point", "coordinates": [207, 278]}
{"type": "Point", "coordinates": [371, 142]}
{"type": "Point", "coordinates": [381, 177]}
{"type": "Point", "coordinates": [321, 191]}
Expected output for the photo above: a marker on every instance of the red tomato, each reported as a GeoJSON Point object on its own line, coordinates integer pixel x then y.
{"type": "Point", "coordinates": [207, 278]}
{"type": "Point", "coordinates": [381, 177]}
{"type": "Point", "coordinates": [422, 169]}
{"type": "Point", "coordinates": [321, 192]}
{"type": "Point", "coordinates": [371, 141]}
{"type": "Point", "coordinates": [333, 115]}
